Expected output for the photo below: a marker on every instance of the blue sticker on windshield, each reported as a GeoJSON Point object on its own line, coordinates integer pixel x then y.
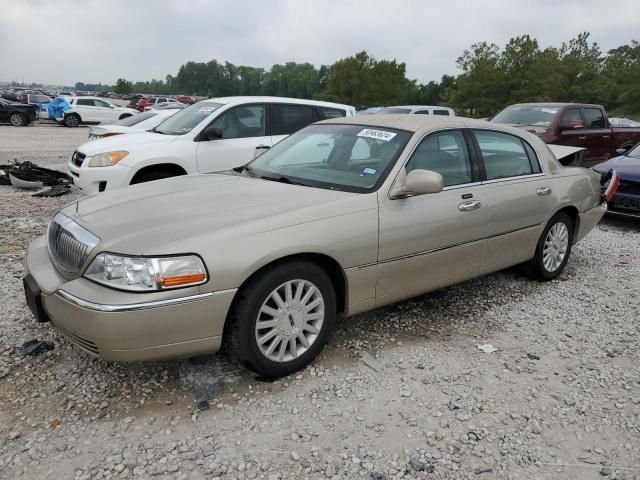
{"type": "Point", "coordinates": [369, 171]}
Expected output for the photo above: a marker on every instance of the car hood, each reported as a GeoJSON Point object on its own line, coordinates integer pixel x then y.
{"type": "Point", "coordinates": [124, 142]}
{"type": "Point", "coordinates": [147, 218]}
{"type": "Point", "coordinates": [628, 168]}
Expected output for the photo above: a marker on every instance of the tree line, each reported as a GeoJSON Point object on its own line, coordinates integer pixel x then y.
{"type": "Point", "coordinates": [490, 78]}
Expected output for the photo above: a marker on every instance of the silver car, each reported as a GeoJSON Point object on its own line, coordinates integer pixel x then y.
{"type": "Point", "coordinates": [344, 216]}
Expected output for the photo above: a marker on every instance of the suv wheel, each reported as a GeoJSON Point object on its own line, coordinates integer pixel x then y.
{"type": "Point", "coordinates": [72, 120]}
{"type": "Point", "coordinates": [282, 318]}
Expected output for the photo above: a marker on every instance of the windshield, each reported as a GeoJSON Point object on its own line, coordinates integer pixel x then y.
{"type": "Point", "coordinates": [134, 119]}
{"type": "Point", "coordinates": [395, 110]}
{"type": "Point", "coordinates": [185, 120]}
{"type": "Point", "coordinates": [527, 115]}
{"type": "Point", "coordinates": [340, 157]}
{"type": "Point", "coordinates": [634, 152]}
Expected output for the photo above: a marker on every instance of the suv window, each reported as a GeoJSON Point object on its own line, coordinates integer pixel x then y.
{"type": "Point", "coordinates": [100, 103]}
{"type": "Point", "coordinates": [445, 153]}
{"type": "Point", "coordinates": [505, 155]}
{"type": "Point", "coordinates": [441, 112]}
{"type": "Point", "coordinates": [572, 114]}
{"type": "Point", "coordinates": [422, 112]}
{"type": "Point", "coordinates": [242, 122]}
{"type": "Point", "coordinates": [287, 119]}
{"type": "Point", "coordinates": [593, 118]}
{"type": "Point", "coordinates": [85, 101]}
{"type": "Point", "coordinates": [325, 112]}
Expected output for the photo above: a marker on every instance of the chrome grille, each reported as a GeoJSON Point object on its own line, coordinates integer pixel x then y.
{"type": "Point", "coordinates": [69, 243]}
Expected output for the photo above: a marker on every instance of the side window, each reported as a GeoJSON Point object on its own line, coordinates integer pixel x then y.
{"type": "Point", "coordinates": [571, 115]}
{"type": "Point", "coordinates": [286, 119]}
{"type": "Point", "coordinates": [445, 153]}
{"type": "Point", "coordinates": [421, 112]}
{"type": "Point", "coordinates": [242, 122]}
{"type": "Point", "coordinates": [86, 102]}
{"type": "Point", "coordinates": [441, 112]}
{"type": "Point", "coordinates": [593, 118]}
{"type": "Point", "coordinates": [504, 155]}
{"type": "Point", "coordinates": [330, 112]}
{"type": "Point", "coordinates": [100, 103]}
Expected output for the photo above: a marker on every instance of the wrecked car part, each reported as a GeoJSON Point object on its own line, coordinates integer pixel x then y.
{"type": "Point", "coordinates": [35, 346]}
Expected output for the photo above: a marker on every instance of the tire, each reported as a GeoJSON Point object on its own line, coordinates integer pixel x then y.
{"type": "Point", "coordinates": [151, 175]}
{"type": "Point", "coordinates": [555, 242]}
{"type": "Point", "coordinates": [256, 301]}
{"type": "Point", "coordinates": [72, 120]}
{"type": "Point", "coordinates": [18, 120]}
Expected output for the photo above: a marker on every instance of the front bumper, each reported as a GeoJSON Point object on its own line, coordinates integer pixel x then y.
{"type": "Point", "coordinates": [625, 205]}
{"type": "Point", "coordinates": [125, 326]}
{"type": "Point", "coordinates": [97, 179]}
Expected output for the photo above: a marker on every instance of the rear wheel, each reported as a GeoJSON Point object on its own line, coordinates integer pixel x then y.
{"type": "Point", "coordinates": [282, 318]}
{"type": "Point", "coordinates": [72, 120]}
{"type": "Point", "coordinates": [18, 119]}
{"type": "Point", "coordinates": [553, 249]}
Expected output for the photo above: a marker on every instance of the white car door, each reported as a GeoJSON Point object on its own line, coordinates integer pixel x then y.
{"type": "Point", "coordinates": [86, 109]}
{"type": "Point", "coordinates": [104, 112]}
{"type": "Point", "coordinates": [241, 130]}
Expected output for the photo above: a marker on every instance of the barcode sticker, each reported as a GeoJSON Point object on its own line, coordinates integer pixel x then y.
{"type": "Point", "coordinates": [377, 134]}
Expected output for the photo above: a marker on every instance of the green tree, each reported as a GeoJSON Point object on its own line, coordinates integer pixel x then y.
{"type": "Point", "coordinates": [123, 86]}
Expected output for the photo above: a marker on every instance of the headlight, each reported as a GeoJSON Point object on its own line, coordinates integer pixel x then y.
{"type": "Point", "coordinates": [107, 159]}
{"type": "Point", "coordinates": [146, 274]}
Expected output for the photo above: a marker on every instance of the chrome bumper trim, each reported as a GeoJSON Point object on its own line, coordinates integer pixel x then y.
{"type": "Point", "coordinates": [130, 306]}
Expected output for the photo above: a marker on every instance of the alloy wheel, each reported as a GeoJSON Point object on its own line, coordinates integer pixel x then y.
{"type": "Point", "coordinates": [290, 320]}
{"type": "Point", "coordinates": [555, 247]}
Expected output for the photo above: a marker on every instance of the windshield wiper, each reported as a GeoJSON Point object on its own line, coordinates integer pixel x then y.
{"type": "Point", "coordinates": [281, 179]}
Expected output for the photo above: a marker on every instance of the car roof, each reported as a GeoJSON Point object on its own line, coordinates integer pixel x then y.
{"type": "Point", "coordinates": [301, 101]}
{"type": "Point", "coordinates": [554, 104]}
{"type": "Point", "coordinates": [414, 123]}
{"type": "Point", "coordinates": [418, 106]}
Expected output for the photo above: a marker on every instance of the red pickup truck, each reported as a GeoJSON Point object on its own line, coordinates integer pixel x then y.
{"type": "Point", "coordinates": [574, 125]}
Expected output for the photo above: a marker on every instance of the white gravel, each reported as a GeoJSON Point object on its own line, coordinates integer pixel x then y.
{"type": "Point", "coordinates": [400, 392]}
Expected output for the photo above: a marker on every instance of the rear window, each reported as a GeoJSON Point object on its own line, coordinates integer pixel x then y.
{"type": "Point", "coordinates": [134, 119]}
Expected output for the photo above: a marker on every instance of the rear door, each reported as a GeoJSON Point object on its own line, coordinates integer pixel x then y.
{"type": "Point", "coordinates": [104, 111]}
{"type": "Point", "coordinates": [288, 118]}
{"type": "Point", "coordinates": [519, 196]}
{"type": "Point", "coordinates": [598, 136]}
{"type": "Point", "coordinates": [244, 132]}
{"type": "Point", "coordinates": [86, 109]}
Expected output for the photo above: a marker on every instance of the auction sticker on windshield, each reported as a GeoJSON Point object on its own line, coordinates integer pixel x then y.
{"type": "Point", "coordinates": [377, 134]}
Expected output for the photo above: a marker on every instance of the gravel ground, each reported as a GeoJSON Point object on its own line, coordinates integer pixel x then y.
{"type": "Point", "coordinates": [400, 392]}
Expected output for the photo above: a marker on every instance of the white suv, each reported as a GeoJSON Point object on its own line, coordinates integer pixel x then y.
{"type": "Point", "coordinates": [211, 135]}
{"type": "Point", "coordinates": [93, 110]}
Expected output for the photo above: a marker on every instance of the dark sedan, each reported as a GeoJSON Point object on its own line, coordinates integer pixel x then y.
{"type": "Point", "coordinates": [18, 114]}
{"type": "Point", "coordinates": [626, 201]}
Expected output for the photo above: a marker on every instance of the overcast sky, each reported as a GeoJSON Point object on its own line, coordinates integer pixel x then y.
{"type": "Point", "coordinates": [65, 41]}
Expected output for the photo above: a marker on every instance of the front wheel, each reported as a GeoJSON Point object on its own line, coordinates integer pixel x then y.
{"type": "Point", "coordinates": [282, 318]}
{"type": "Point", "coordinates": [553, 249]}
{"type": "Point", "coordinates": [18, 120]}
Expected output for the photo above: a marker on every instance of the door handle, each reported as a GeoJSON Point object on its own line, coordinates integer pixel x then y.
{"type": "Point", "coordinates": [543, 191]}
{"type": "Point", "coordinates": [262, 147]}
{"type": "Point", "coordinates": [582, 138]}
{"type": "Point", "coordinates": [468, 206]}
{"type": "Point", "coordinates": [605, 136]}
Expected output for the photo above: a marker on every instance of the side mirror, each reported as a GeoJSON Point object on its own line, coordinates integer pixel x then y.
{"type": "Point", "coordinates": [418, 182]}
{"type": "Point", "coordinates": [623, 150]}
{"type": "Point", "coordinates": [572, 125]}
{"type": "Point", "coordinates": [212, 133]}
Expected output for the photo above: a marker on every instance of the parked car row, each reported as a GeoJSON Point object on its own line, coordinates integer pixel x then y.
{"type": "Point", "coordinates": [343, 216]}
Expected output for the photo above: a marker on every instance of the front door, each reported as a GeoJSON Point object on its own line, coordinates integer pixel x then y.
{"type": "Point", "coordinates": [434, 240]}
{"type": "Point", "coordinates": [243, 131]}
{"type": "Point", "coordinates": [598, 136]}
